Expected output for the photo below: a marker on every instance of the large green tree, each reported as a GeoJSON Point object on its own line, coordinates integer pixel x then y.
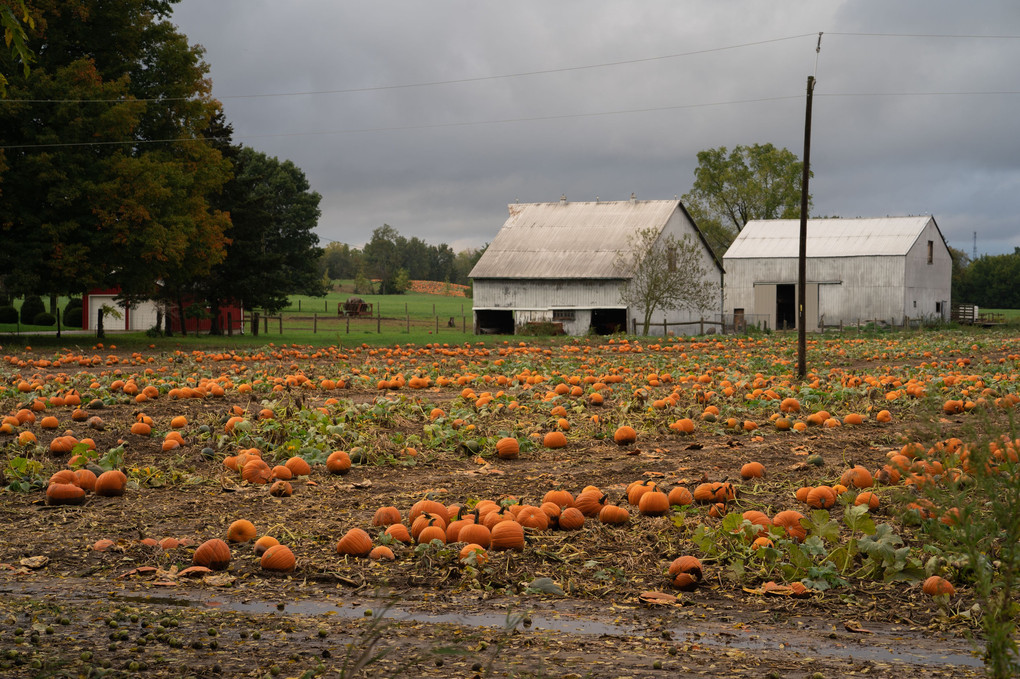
{"type": "Point", "coordinates": [273, 250]}
{"type": "Point", "coordinates": [383, 258]}
{"type": "Point", "coordinates": [733, 187]}
{"type": "Point", "coordinates": [92, 192]}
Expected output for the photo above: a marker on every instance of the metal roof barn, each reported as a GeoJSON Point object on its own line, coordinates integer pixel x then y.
{"type": "Point", "coordinates": [561, 263]}
{"type": "Point", "coordinates": [888, 269]}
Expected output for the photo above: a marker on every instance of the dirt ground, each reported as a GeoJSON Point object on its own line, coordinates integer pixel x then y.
{"type": "Point", "coordinates": [68, 610]}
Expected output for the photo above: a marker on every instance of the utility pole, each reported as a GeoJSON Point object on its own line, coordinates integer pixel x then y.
{"type": "Point", "coordinates": [802, 254]}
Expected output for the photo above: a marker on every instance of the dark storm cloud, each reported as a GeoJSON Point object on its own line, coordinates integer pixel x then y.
{"type": "Point", "coordinates": [409, 157]}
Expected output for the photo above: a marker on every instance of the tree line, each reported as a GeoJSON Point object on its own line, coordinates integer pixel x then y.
{"type": "Point", "coordinates": [118, 169]}
{"type": "Point", "coordinates": [389, 260]}
{"type": "Point", "coordinates": [990, 281]}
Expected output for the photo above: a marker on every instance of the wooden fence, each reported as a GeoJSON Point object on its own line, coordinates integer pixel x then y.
{"type": "Point", "coordinates": [330, 323]}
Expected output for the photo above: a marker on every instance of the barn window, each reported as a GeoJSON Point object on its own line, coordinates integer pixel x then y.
{"type": "Point", "coordinates": [938, 307]}
{"type": "Point", "coordinates": [931, 251]}
{"type": "Point", "coordinates": [671, 259]}
{"type": "Point", "coordinates": [563, 314]}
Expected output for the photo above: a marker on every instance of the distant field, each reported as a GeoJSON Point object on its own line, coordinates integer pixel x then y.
{"type": "Point", "coordinates": [1009, 314]}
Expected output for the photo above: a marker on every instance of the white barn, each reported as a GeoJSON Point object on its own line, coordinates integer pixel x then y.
{"type": "Point", "coordinates": [885, 269]}
{"type": "Point", "coordinates": [559, 262]}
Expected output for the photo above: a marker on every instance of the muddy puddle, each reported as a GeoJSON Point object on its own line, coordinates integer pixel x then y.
{"type": "Point", "coordinates": [816, 638]}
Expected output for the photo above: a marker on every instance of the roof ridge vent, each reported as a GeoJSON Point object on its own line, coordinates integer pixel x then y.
{"type": "Point", "coordinates": [563, 199]}
{"type": "Point", "coordinates": [633, 197]}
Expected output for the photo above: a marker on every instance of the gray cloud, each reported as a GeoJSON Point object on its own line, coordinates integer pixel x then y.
{"type": "Point", "coordinates": [409, 156]}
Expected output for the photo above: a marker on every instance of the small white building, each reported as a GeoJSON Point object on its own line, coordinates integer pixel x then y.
{"type": "Point", "coordinates": [561, 262]}
{"type": "Point", "coordinates": [858, 270]}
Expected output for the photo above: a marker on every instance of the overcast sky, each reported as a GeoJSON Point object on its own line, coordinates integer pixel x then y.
{"type": "Point", "coordinates": [591, 98]}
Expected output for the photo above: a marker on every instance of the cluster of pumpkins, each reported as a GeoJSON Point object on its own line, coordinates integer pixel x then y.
{"type": "Point", "coordinates": [67, 487]}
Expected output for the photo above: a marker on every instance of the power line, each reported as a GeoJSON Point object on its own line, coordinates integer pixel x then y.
{"type": "Point", "coordinates": [501, 121]}
{"type": "Point", "coordinates": [926, 35]}
{"type": "Point", "coordinates": [400, 128]}
{"type": "Point", "coordinates": [433, 83]}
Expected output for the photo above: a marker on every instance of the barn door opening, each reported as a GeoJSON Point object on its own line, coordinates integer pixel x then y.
{"type": "Point", "coordinates": [608, 321]}
{"type": "Point", "coordinates": [494, 322]}
{"type": "Point", "coordinates": [786, 307]}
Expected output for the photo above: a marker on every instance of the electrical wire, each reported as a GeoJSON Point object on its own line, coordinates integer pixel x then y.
{"type": "Point", "coordinates": [400, 128]}
{"type": "Point", "coordinates": [501, 121]}
{"type": "Point", "coordinates": [432, 83]}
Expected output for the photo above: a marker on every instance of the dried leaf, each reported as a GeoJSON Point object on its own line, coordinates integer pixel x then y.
{"type": "Point", "coordinates": [34, 561]}
{"type": "Point", "coordinates": [223, 580]}
{"type": "Point", "coordinates": [854, 626]}
{"type": "Point", "coordinates": [657, 598]}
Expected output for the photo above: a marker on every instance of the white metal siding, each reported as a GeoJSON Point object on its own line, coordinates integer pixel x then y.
{"type": "Point", "coordinates": [928, 284]}
{"type": "Point", "coordinates": [850, 288]}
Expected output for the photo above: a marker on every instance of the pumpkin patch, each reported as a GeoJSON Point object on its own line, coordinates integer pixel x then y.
{"type": "Point", "coordinates": [697, 467]}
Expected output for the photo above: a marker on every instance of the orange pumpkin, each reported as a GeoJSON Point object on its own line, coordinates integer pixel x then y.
{"type": "Point", "coordinates": [614, 515]}
{"type": "Point", "coordinates": [938, 586]}
{"type": "Point", "coordinates": [386, 516]}
{"type": "Point", "coordinates": [214, 554]}
{"type": "Point", "coordinates": [262, 544]}
{"type": "Point", "coordinates": [752, 470]}
{"type": "Point", "coordinates": [856, 477]}
{"type": "Point", "coordinates": [789, 520]}
{"type": "Point", "coordinates": [278, 559]}
{"type": "Point", "coordinates": [572, 518]}
{"type": "Point", "coordinates": [338, 462]}
{"type": "Point", "coordinates": [821, 497]}
{"type": "Point", "coordinates": [111, 483]}
{"type": "Point", "coordinates": [241, 530]}
{"type": "Point", "coordinates": [561, 498]}
{"type": "Point", "coordinates": [399, 532]}
{"type": "Point", "coordinates": [507, 535]}
{"type": "Point", "coordinates": [85, 479]}
{"type": "Point", "coordinates": [653, 503]}
{"type": "Point", "coordinates": [381, 553]}
{"type": "Point", "coordinates": [356, 542]}
{"type": "Point", "coordinates": [476, 533]}
{"type": "Point", "coordinates": [281, 489]}
{"type": "Point", "coordinates": [507, 448]}
{"type": "Point", "coordinates": [625, 436]}
{"type": "Point", "coordinates": [64, 494]}
{"type": "Point", "coordinates": [298, 466]}
{"type": "Point", "coordinates": [554, 439]}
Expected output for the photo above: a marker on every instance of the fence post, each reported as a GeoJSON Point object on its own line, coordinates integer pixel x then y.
{"type": "Point", "coordinates": [463, 319]}
{"type": "Point", "coordinates": [265, 324]}
{"type": "Point", "coordinates": [378, 319]}
{"type": "Point", "coordinates": [58, 322]}
{"type": "Point", "coordinates": [407, 318]}
{"type": "Point", "coordinates": [325, 306]}
{"type": "Point", "coordinates": [437, 322]}
{"type": "Point", "coordinates": [664, 327]}
{"type": "Point", "coordinates": [230, 324]}
{"type": "Point", "coordinates": [299, 305]}
{"type": "Point", "coordinates": [315, 323]}
{"type": "Point", "coordinates": [280, 318]}
{"type": "Point", "coordinates": [348, 319]}
{"type": "Point", "coordinates": [701, 326]}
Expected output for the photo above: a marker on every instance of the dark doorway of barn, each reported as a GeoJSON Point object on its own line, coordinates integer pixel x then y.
{"type": "Point", "coordinates": [608, 321]}
{"type": "Point", "coordinates": [786, 307]}
{"type": "Point", "coordinates": [494, 322]}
